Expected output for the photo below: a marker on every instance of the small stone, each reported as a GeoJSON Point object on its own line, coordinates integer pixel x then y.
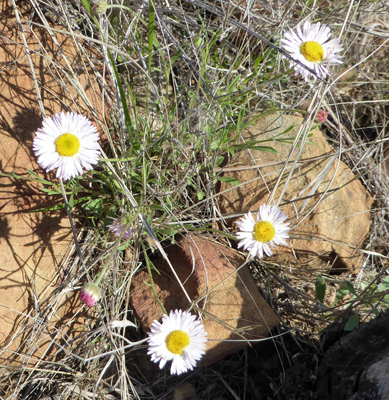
{"type": "Point", "coordinates": [233, 310]}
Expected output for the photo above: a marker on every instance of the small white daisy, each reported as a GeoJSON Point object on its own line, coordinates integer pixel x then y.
{"type": "Point", "coordinates": [268, 230]}
{"type": "Point", "coordinates": [119, 224]}
{"type": "Point", "coordinates": [180, 338]}
{"type": "Point", "coordinates": [311, 46]}
{"type": "Point", "coordinates": [68, 142]}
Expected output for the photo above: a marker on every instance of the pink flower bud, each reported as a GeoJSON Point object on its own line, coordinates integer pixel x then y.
{"type": "Point", "coordinates": [90, 294]}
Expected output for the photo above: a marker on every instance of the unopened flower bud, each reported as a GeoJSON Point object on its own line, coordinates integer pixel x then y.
{"type": "Point", "coordinates": [100, 7]}
{"type": "Point", "coordinates": [90, 294]}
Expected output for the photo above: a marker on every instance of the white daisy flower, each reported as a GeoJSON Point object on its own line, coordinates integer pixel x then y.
{"type": "Point", "coordinates": [68, 142]}
{"type": "Point", "coordinates": [269, 230]}
{"type": "Point", "coordinates": [180, 338]}
{"type": "Point", "coordinates": [119, 224]}
{"type": "Point", "coordinates": [311, 46]}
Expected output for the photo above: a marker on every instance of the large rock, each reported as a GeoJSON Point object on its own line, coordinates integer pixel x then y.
{"type": "Point", "coordinates": [357, 366]}
{"type": "Point", "coordinates": [234, 312]}
{"type": "Point", "coordinates": [33, 244]}
{"type": "Point", "coordinates": [328, 207]}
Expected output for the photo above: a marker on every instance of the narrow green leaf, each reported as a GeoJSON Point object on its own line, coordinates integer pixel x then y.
{"type": "Point", "coordinates": [228, 179]}
{"type": "Point", "coordinates": [71, 201]}
{"type": "Point", "coordinates": [352, 323]}
{"type": "Point", "coordinates": [50, 192]}
{"type": "Point", "coordinates": [219, 160]}
{"type": "Point", "coordinates": [350, 287]}
{"type": "Point", "coordinates": [44, 181]}
{"type": "Point", "coordinates": [94, 205]}
{"type": "Point", "coordinates": [252, 144]}
{"type": "Point", "coordinates": [287, 130]}
{"type": "Point", "coordinates": [87, 6]}
{"type": "Point", "coordinates": [233, 83]}
{"type": "Point", "coordinates": [124, 246]}
{"type": "Point", "coordinates": [320, 286]}
{"type": "Point", "coordinates": [257, 61]}
{"type": "Point", "coordinates": [240, 119]}
{"type": "Point", "coordinates": [375, 310]}
{"type": "Point", "coordinates": [123, 100]}
{"type": "Point", "coordinates": [151, 32]}
{"type": "Point", "coordinates": [264, 148]}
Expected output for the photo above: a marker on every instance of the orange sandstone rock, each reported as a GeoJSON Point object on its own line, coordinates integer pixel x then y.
{"type": "Point", "coordinates": [328, 207]}
{"type": "Point", "coordinates": [32, 244]}
{"type": "Point", "coordinates": [215, 279]}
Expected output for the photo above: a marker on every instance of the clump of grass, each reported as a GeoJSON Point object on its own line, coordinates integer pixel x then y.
{"type": "Point", "coordinates": [183, 81]}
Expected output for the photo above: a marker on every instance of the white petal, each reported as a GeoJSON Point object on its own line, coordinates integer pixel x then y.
{"type": "Point", "coordinates": [292, 41]}
{"type": "Point", "coordinates": [266, 213]}
{"type": "Point", "coordinates": [48, 157]}
{"type": "Point", "coordinates": [177, 320]}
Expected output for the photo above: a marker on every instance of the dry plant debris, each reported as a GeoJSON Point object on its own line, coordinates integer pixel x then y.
{"type": "Point", "coordinates": [172, 88]}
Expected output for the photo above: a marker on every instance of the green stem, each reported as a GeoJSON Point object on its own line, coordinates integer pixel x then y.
{"type": "Point", "coordinates": [152, 281]}
{"type": "Point", "coordinates": [67, 207]}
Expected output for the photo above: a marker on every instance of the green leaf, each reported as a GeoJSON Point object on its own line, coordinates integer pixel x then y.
{"type": "Point", "coordinates": [71, 201]}
{"type": "Point", "coordinates": [151, 32]}
{"type": "Point", "coordinates": [124, 104]}
{"type": "Point", "coordinates": [124, 245]}
{"type": "Point", "coordinates": [320, 286]}
{"type": "Point", "coordinates": [240, 119]}
{"type": "Point", "coordinates": [345, 289]}
{"type": "Point", "coordinates": [257, 61]}
{"type": "Point", "coordinates": [94, 205]}
{"type": "Point", "coordinates": [49, 191]}
{"type": "Point", "coordinates": [264, 148]}
{"type": "Point", "coordinates": [287, 130]}
{"type": "Point", "coordinates": [228, 179]}
{"type": "Point", "coordinates": [252, 144]}
{"type": "Point", "coordinates": [87, 5]}
{"type": "Point", "coordinates": [352, 323]}
{"type": "Point", "coordinates": [44, 181]}
{"type": "Point", "coordinates": [350, 288]}
{"type": "Point", "coordinates": [233, 83]}
{"type": "Point", "coordinates": [219, 160]}
{"type": "Point", "coordinates": [200, 195]}
{"type": "Point", "coordinates": [384, 285]}
{"type": "Point", "coordinates": [214, 145]}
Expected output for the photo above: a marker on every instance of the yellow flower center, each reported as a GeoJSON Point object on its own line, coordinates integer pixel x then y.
{"type": "Point", "coordinates": [264, 231]}
{"type": "Point", "coordinates": [67, 145]}
{"type": "Point", "coordinates": [176, 341]}
{"type": "Point", "coordinates": [312, 51]}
